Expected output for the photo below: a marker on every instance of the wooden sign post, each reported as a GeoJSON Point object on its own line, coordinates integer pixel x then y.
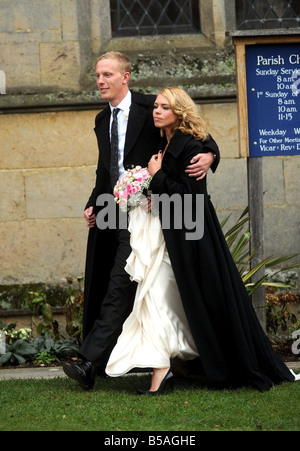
{"type": "Point", "coordinates": [268, 86]}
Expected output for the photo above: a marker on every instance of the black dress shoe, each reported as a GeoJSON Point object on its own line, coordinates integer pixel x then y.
{"type": "Point", "coordinates": [83, 373]}
{"type": "Point", "coordinates": [166, 383]}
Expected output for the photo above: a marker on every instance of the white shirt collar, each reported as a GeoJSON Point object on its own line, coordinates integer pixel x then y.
{"type": "Point", "coordinates": [124, 105]}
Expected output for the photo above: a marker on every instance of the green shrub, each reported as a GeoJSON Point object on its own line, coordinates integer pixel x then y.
{"type": "Point", "coordinates": [238, 242]}
{"type": "Point", "coordinates": [19, 352]}
{"type": "Point", "coordinates": [43, 349]}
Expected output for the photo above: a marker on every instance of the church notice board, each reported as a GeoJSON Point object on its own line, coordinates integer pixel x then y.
{"type": "Point", "coordinates": [268, 81]}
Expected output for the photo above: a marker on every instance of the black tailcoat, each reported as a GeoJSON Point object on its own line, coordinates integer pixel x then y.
{"type": "Point", "coordinates": [141, 143]}
{"type": "Point", "coordinates": [232, 346]}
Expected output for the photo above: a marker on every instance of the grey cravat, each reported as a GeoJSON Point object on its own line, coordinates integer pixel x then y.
{"type": "Point", "coordinates": [114, 144]}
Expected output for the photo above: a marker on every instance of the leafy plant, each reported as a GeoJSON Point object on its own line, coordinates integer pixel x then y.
{"type": "Point", "coordinates": [45, 357]}
{"type": "Point", "coordinates": [48, 346]}
{"type": "Point", "coordinates": [12, 334]}
{"type": "Point", "coordinates": [42, 349]}
{"type": "Point", "coordinates": [277, 310]}
{"type": "Point", "coordinates": [72, 306]}
{"type": "Point", "coordinates": [42, 314]}
{"type": "Point", "coordinates": [73, 309]}
{"type": "Point", "coordinates": [18, 352]}
{"type": "Point", "coordinates": [7, 328]}
{"type": "Point", "coordinates": [238, 243]}
{"type": "Point", "coordinates": [295, 327]}
{"type": "Point", "coordinates": [60, 348]}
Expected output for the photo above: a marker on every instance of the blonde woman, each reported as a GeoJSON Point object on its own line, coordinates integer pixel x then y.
{"type": "Point", "coordinates": [191, 303]}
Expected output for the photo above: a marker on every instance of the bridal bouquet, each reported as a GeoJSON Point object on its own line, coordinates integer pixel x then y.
{"type": "Point", "coordinates": [129, 189]}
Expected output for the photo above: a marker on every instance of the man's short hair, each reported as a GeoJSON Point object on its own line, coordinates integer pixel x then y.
{"type": "Point", "coordinates": [123, 62]}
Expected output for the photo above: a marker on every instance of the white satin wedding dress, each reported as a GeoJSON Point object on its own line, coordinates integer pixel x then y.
{"type": "Point", "coordinates": [157, 329]}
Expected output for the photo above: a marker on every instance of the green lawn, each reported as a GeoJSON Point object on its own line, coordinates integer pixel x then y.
{"type": "Point", "coordinates": [60, 405]}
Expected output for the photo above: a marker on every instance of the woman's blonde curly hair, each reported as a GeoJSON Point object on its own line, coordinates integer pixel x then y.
{"type": "Point", "coordinates": [190, 122]}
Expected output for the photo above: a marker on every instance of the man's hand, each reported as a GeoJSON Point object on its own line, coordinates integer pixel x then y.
{"type": "Point", "coordinates": [200, 165]}
{"type": "Point", "coordinates": [89, 217]}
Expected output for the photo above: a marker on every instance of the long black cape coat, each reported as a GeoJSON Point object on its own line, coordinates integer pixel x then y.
{"type": "Point", "coordinates": [142, 139]}
{"type": "Point", "coordinates": [233, 348]}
